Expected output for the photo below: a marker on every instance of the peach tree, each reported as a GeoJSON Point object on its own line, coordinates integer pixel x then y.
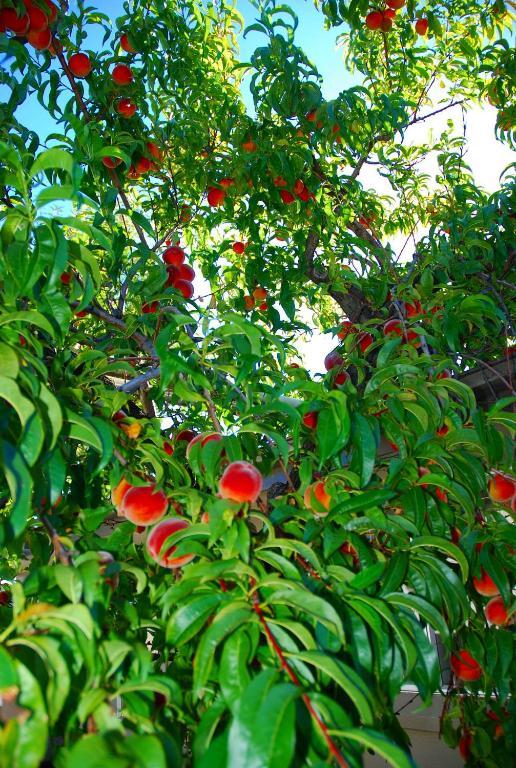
{"type": "Point", "coordinates": [211, 556]}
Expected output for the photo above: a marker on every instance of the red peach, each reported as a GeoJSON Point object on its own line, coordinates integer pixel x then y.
{"type": "Point", "coordinates": [143, 165]}
{"type": "Point", "coordinates": [441, 495]}
{"type": "Point", "coordinates": [150, 308]}
{"type": "Point", "coordinates": [364, 341]}
{"type": "Point", "coordinates": [310, 419]}
{"type": "Point", "coordinates": [495, 612]}
{"type": "Point", "coordinates": [465, 743]}
{"type": "Point", "coordinates": [501, 488]}
{"type": "Point", "coordinates": [185, 272]}
{"type": "Point", "coordinates": [238, 247]}
{"type": "Point", "coordinates": [263, 306]}
{"type": "Point", "coordinates": [65, 278]}
{"type": "Point", "coordinates": [241, 482]}
{"type": "Point", "coordinates": [465, 667]}
{"type": "Point", "coordinates": [126, 108]}
{"type": "Point", "coordinates": [227, 182]}
{"type": "Point", "coordinates": [374, 20]}
{"type": "Point", "coordinates": [111, 162]}
{"type": "Point", "coordinates": [118, 493]}
{"type": "Point", "coordinates": [185, 288]}
{"type": "Point", "coordinates": [80, 65]}
{"type": "Point", "coordinates": [122, 74]}
{"type": "Point", "coordinates": [485, 585]}
{"type": "Point", "coordinates": [260, 293]}
{"type": "Point", "coordinates": [287, 196]}
{"type": "Point", "coordinates": [216, 196]}
{"type": "Point", "coordinates": [168, 448]}
{"type": "Point", "coordinates": [279, 181]}
{"type": "Point", "coordinates": [310, 116]}
{"type": "Point", "coordinates": [396, 4]}
{"type": "Point", "coordinates": [332, 360]}
{"type": "Point", "coordinates": [421, 26]}
{"type": "Point", "coordinates": [9, 19]}
{"type": "Point", "coordinates": [412, 310]}
{"type": "Point", "coordinates": [317, 491]}
{"type": "Point", "coordinates": [38, 19]}
{"type": "Point", "coordinates": [157, 537]}
{"type": "Point", "coordinates": [186, 435]}
{"type": "Point", "coordinates": [174, 255]}
{"type": "Point", "coordinates": [126, 45]}
{"type": "Point", "coordinates": [345, 329]}
{"type": "Point", "coordinates": [348, 549]}
{"type": "Point", "coordinates": [144, 505]}
{"type": "Point", "coordinates": [40, 39]}
{"type": "Point", "coordinates": [154, 150]}
{"type": "Point", "coordinates": [341, 378]}
{"type": "Point", "coordinates": [386, 22]}
{"type": "Point", "coordinates": [442, 431]}
{"type": "Point", "coordinates": [249, 146]}
{"type": "Point", "coordinates": [249, 302]}
{"type": "Point", "coordinates": [392, 327]}
{"type": "Point", "coordinates": [203, 438]}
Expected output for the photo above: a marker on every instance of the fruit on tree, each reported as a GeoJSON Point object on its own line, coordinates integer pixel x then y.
{"type": "Point", "coordinates": [332, 360]}
{"type": "Point", "coordinates": [38, 19]}
{"type": "Point", "coordinates": [249, 146]}
{"type": "Point", "coordinates": [185, 435]}
{"type": "Point", "coordinates": [168, 448]}
{"type": "Point", "coordinates": [154, 150]}
{"type": "Point", "coordinates": [310, 419]}
{"type": "Point", "coordinates": [156, 539]}
{"type": "Point", "coordinates": [249, 302]}
{"type": "Point", "coordinates": [341, 378]}
{"type": "Point", "coordinates": [374, 20]}
{"type": "Point", "coordinates": [80, 65]}
{"type": "Point", "coordinates": [144, 505]}
{"type": "Point", "coordinates": [345, 329]}
{"type": "Point", "coordinates": [238, 247]}
{"type": "Point", "coordinates": [132, 430]}
{"type": "Point", "coordinates": [118, 493]}
{"type": "Point", "coordinates": [501, 488]}
{"type": "Point", "coordinates": [185, 272]}
{"type": "Point", "coordinates": [465, 667]}
{"type": "Point", "coordinates": [421, 26]}
{"type": "Point", "coordinates": [40, 39]}
{"type": "Point", "coordinates": [364, 341]}
{"type": "Point", "coordinates": [126, 44]}
{"type": "Point", "coordinates": [174, 255]}
{"type": "Point", "coordinates": [395, 4]}
{"type": "Point", "coordinates": [287, 196]}
{"type": "Point", "coordinates": [10, 20]}
{"type": "Point", "coordinates": [495, 612]}
{"type": "Point", "coordinates": [216, 196]}
{"type": "Point", "coordinates": [392, 327]}
{"type": "Point", "coordinates": [150, 308]}
{"type": "Point", "coordinates": [185, 288]}
{"type": "Point", "coordinates": [227, 182]}
{"type": "Point", "coordinates": [316, 494]}
{"type": "Point", "coordinates": [202, 439]}
{"type": "Point", "coordinates": [126, 108]}
{"type": "Point", "coordinates": [485, 585]}
{"type": "Point", "coordinates": [260, 293]}
{"type": "Point", "coordinates": [465, 743]}
{"type": "Point", "coordinates": [121, 74]}
{"type": "Point", "coordinates": [111, 162]}
{"type": "Point", "coordinates": [241, 481]}
{"type": "Point", "coordinates": [441, 495]}
{"type": "Point", "coordinates": [413, 310]}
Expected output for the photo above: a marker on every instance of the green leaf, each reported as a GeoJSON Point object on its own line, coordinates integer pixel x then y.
{"type": "Point", "coordinates": [52, 158]}
{"type": "Point", "coordinates": [262, 734]}
{"type": "Point", "coordinates": [32, 318]}
{"type": "Point", "coordinates": [226, 621]}
{"type": "Point", "coordinates": [346, 677]}
{"type": "Point", "coordinates": [445, 546]}
{"type": "Point", "coordinates": [308, 603]}
{"type": "Point", "coordinates": [8, 674]}
{"type": "Point", "coordinates": [365, 445]}
{"type": "Point", "coordinates": [20, 485]}
{"type": "Point", "coordinates": [69, 581]}
{"type": "Point", "coordinates": [189, 618]}
{"type": "Point", "coordinates": [370, 739]}
{"type": "Point", "coordinates": [425, 609]}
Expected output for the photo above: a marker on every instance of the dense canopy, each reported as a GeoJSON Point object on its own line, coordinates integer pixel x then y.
{"type": "Point", "coordinates": [212, 555]}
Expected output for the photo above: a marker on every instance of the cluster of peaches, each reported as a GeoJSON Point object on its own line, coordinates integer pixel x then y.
{"type": "Point", "coordinates": [34, 24]}
{"type": "Point", "coordinates": [80, 67]}
{"type": "Point", "coordinates": [218, 191]}
{"type": "Point", "coordinates": [382, 19]}
{"type": "Point", "coordinates": [146, 506]}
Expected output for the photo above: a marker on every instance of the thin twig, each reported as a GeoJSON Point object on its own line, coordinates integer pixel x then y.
{"type": "Point", "coordinates": [60, 551]}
